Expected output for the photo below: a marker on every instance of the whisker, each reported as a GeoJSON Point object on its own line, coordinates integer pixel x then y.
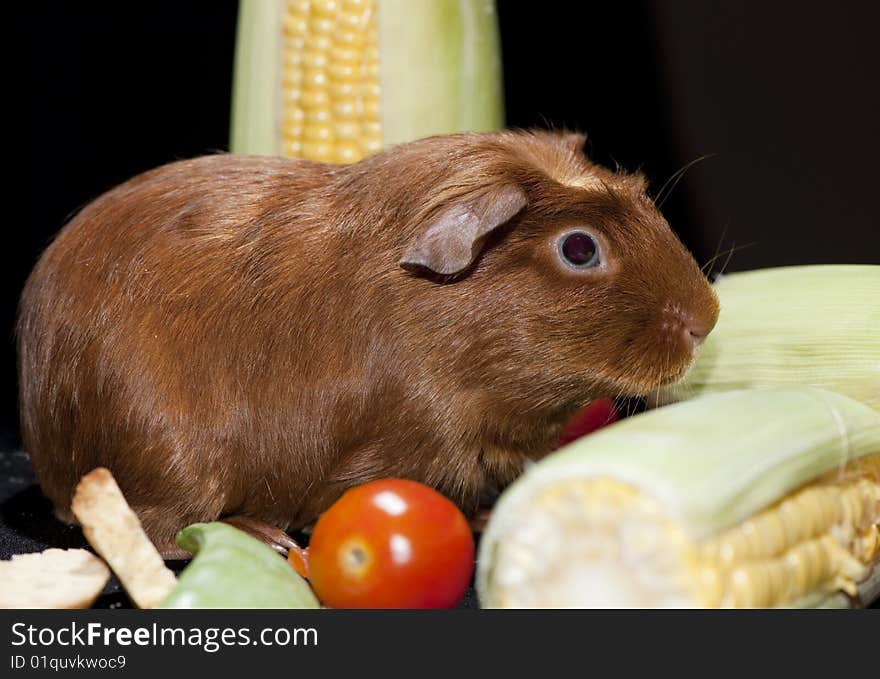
{"type": "Point", "coordinates": [729, 253]}
{"type": "Point", "coordinates": [717, 248]}
{"type": "Point", "coordinates": [662, 194]}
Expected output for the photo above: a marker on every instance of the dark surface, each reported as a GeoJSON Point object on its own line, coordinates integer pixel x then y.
{"type": "Point", "coordinates": [27, 524]}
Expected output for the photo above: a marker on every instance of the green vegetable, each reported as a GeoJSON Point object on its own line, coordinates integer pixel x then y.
{"type": "Point", "coordinates": [751, 498]}
{"type": "Point", "coordinates": [815, 325]}
{"type": "Point", "coordinates": [233, 570]}
{"type": "Point", "coordinates": [338, 81]}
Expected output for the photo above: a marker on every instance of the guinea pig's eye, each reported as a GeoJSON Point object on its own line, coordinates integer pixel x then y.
{"type": "Point", "coordinates": [579, 250]}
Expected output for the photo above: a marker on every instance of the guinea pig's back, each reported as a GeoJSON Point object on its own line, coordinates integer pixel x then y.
{"type": "Point", "coordinates": [149, 318]}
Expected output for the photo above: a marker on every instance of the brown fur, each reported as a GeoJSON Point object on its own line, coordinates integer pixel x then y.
{"type": "Point", "coordinates": [236, 335]}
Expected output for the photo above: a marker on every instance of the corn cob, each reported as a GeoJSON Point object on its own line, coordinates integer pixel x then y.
{"type": "Point", "coordinates": [752, 498]}
{"type": "Point", "coordinates": [337, 80]}
{"type": "Point", "coordinates": [816, 325]}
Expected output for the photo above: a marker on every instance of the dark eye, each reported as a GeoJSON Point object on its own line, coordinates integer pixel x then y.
{"type": "Point", "coordinates": [579, 250]}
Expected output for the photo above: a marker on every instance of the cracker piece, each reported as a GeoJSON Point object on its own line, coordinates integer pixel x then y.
{"type": "Point", "coordinates": [113, 529]}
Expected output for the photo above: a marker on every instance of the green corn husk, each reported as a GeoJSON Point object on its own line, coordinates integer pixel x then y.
{"type": "Point", "coordinates": [441, 68]}
{"type": "Point", "coordinates": [815, 325]}
{"type": "Point", "coordinates": [439, 71]}
{"type": "Point", "coordinates": [699, 474]}
{"type": "Point", "coordinates": [233, 570]}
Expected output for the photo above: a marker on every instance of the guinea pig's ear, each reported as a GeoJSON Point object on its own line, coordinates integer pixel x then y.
{"type": "Point", "coordinates": [452, 239]}
{"type": "Point", "coordinates": [575, 141]}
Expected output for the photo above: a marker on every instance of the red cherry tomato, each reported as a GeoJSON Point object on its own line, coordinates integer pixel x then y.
{"type": "Point", "coordinates": [390, 544]}
{"type": "Point", "coordinates": [591, 417]}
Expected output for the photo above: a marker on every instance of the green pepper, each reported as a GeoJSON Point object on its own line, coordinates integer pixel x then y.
{"type": "Point", "coordinates": [233, 570]}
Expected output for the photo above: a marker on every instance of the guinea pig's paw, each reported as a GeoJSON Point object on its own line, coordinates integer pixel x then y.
{"type": "Point", "coordinates": [270, 535]}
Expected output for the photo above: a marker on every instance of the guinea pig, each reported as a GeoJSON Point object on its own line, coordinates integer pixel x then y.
{"type": "Point", "coordinates": [250, 336]}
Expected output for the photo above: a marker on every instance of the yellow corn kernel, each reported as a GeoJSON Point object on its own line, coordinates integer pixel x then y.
{"type": "Point", "coordinates": [331, 80]}
{"type": "Point", "coordinates": [438, 63]}
{"type": "Point", "coordinates": [347, 152]}
{"type": "Point", "coordinates": [314, 57]}
{"type": "Point", "coordinates": [318, 116]}
{"type": "Point", "coordinates": [325, 8]}
{"type": "Point", "coordinates": [295, 24]}
{"type": "Point", "coordinates": [821, 539]}
{"type": "Point", "coordinates": [347, 131]}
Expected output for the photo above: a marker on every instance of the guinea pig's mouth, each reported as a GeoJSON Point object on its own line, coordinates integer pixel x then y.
{"type": "Point", "coordinates": [626, 384]}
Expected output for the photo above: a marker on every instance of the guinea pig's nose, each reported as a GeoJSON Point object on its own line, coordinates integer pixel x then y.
{"type": "Point", "coordinates": [696, 337]}
{"type": "Point", "coordinates": [691, 326]}
{"type": "Point", "coordinates": [695, 327]}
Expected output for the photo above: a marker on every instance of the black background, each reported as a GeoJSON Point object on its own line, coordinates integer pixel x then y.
{"type": "Point", "coordinates": [784, 93]}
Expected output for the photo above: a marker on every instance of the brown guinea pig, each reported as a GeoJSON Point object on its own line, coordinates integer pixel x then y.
{"type": "Point", "coordinates": [236, 335]}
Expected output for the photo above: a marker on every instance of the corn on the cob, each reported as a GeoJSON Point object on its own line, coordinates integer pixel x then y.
{"type": "Point", "coordinates": [336, 80]}
{"type": "Point", "coordinates": [816, 325]}
{"type": "Point", "coordinates": [752, 498]}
